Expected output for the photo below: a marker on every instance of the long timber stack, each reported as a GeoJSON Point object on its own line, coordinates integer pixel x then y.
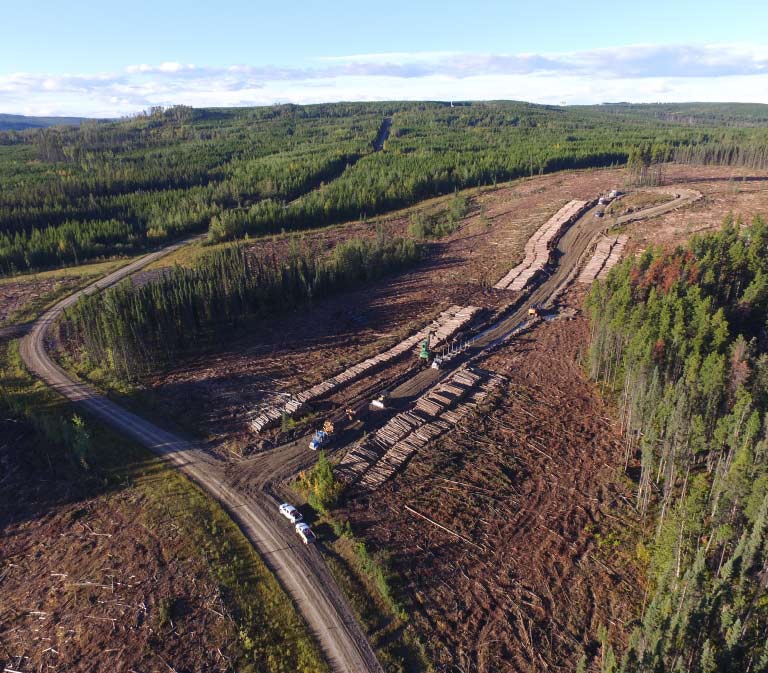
{"type": "Point", "coordinates": [376, 458]}
{"type": "Point", "coordinates": [607, 253]}
{"type": "Point", "coordinates": [447, 324]}
{"type": "Point", "coordinates": [539, 247]}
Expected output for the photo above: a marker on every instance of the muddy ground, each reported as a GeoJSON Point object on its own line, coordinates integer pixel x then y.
{"type": "Point", "coordinates": [97, 583]}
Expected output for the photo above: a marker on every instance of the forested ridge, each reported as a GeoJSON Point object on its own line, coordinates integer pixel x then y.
{"type": "Point", "coordinates": [131, 329]}
{"type": "Point", "coordinates": [68, 194]}
{"type": "Point", "coordinates": [681, 338]}
{"type": "Point", "coordinates": [161, 175]}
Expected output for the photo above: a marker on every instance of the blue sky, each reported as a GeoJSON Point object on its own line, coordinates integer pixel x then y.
{"type": "Point", "coordinates": [83, 58]}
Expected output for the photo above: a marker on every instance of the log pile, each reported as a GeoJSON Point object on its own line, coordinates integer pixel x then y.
{"type": "Point", "coordinates": [607, 253]}
{"type": "Point", "coordinates": [616, 252]}
{"type": "Point", "coordinates": [452, 323]}
{"type": "Point", "coordinates": [376, 458]}
{"type": "Point", "coordinates": [447, 324]}
{"type": "Point", "coordinates": [539, 246]}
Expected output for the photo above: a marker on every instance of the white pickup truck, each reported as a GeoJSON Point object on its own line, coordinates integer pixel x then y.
{"type": "Point", "coordinates": [290, 513]}
{"type": "Point", "coordinates": [305, 533]}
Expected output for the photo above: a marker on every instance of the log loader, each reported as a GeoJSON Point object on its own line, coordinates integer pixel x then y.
{"type": "Point", "coordinates": [425, 354]}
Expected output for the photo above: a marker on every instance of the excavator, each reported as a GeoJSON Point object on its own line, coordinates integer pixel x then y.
{"type": "Point", "coordinates": [425, 354]}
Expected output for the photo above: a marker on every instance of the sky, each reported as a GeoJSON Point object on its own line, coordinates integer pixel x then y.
{"type": "Point", "coordinates": [114, 59]}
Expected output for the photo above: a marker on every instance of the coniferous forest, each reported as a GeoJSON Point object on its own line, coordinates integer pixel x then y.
{"type": "Point", "coordinates": [681, 339]}
{"type": "Point", "coordinates": [71, 194]}
{"type": "Point", "coordinates": [134, 329]}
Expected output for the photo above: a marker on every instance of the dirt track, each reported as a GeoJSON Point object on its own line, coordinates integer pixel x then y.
{"type": "Point", "coordinates": [528, 483]}
{"type": "Point", "coordinates": [567, 256]}
{"type": "Point", "coordinates": [271, 469]}
{"type": "Point", "coordinates": [300, 570]}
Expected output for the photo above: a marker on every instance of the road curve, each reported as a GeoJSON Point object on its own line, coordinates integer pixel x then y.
{"type": "Point", "coordinates": [568, 255]}
{"type": "Point", "coordinates": [300, 570]}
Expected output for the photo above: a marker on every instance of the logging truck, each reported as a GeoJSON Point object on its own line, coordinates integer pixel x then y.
{"type": "Point", "coordinates": [322, 437]}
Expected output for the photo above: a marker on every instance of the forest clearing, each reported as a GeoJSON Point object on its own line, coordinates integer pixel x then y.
{"type": "Point", "coordinates": [498, 510]}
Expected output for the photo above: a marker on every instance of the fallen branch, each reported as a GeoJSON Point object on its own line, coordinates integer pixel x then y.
{"type": "Point", "coordinates": [447, 530]}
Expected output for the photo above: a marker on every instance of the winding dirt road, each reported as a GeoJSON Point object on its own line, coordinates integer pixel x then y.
{"type": "Point", "coordinates": [300, 569]}
{"type": "Point", "coordinates": [567, 257]}
{"type": "Point", "coordinates": [270, 470]}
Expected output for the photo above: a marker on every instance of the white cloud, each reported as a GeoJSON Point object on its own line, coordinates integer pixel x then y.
{"type": "Point", "coordinates": [634, 73]}
{"type": "Point", "coordinates": [168, 66]}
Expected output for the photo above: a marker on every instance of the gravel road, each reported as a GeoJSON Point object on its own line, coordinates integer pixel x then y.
{"type": "Point", "coordinates": [300, 569]}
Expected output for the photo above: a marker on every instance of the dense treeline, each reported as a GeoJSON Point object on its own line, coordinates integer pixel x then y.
{"type": "Point", "coordinates": [163, 175]}
{"type": "Point", "coordinates": [682, 339]}
{"type": "Point", "coordinates": [434, 150]}
{"type": "Point", "coordinates": [132, 329]}
{"type": "Point", "coordinates": [172, 172]}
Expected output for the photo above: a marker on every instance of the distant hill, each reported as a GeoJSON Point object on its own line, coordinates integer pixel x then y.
{"type": "Point", "coordinates": [21, 122]}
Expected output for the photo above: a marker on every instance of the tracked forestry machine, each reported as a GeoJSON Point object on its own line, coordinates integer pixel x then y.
{"type": "Point", "coordinates": [425, 354]}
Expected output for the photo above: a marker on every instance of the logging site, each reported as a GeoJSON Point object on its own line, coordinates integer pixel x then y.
{"type": "Point", "coordinates": [385, 387]}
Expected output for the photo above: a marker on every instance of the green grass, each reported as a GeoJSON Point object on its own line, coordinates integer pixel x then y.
{"type": "Point", "coordinates": [372, 592]}
{"type": "Point", "coordinates": [273, 637]}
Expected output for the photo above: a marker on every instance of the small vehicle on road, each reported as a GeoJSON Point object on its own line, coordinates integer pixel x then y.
{"type": "Point", "coordinates": [290, 513]}
{"type": "Point", "coordinates": [305, 533]}
{"type": "Point", "coordinates": [382, 401]}
{"type": "Point", "coordinates": [319, 440]}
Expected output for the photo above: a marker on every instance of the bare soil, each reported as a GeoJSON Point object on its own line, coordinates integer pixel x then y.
{"type": "Point", "coordinates": [99, 583]}
{"type": "Point", "coordinates": [636, 201]}
{"type": "Point", "coordinates": [216, 392]}
{"type": "Point", "coordinates": [531, 485]}
{"type": "Point", "coordinates": [740, 192]}
{"type": "Point", "coordinates": [16, 295]}
{"type": "Point", "coordinates": [23, 297]}
{"type": "Point", "coordinates": [530, 489]}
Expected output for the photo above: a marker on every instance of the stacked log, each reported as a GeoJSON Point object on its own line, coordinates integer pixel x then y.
{"type": "Point", "coordinates": [607, 253]}
{"type": "Point", "coordinates": [376, 458]}
{"type": "Point", "coordinates": [447, 324]}
{"type": "Point", "coordinates": [614, 257]}
{"type": "Point", "coordinates": [540, 245]}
